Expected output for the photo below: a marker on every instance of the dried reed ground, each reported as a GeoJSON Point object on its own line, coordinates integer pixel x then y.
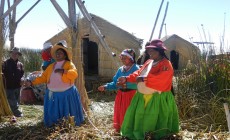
{"type": "Point", "coordinates": [201, 117]}
{"type": "Point", "coordinates": [97, 126]}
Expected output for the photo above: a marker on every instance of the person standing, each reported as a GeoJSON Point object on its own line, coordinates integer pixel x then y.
{"type": "Point", "coordinates": [124, 92]}
{"type": "Point", "coordinates": [13, 72]}
{"type": "Point", "coordinates": [62, 98]}
{"type": "Point", "coordinates": [143, 57]}
{"type": "Point", "coordinates": [46, 55]}
{"type": "Point", "coordinates": [153, 112]}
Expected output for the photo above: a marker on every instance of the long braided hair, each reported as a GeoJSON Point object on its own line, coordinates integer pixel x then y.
{"type": "Point", "coordinates": [162, 53]}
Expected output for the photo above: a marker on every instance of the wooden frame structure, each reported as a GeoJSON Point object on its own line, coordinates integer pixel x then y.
{"type": "Point", "coordinates": [71, 23]}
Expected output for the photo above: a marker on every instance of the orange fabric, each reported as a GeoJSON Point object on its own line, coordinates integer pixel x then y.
{"type": "Point", "coordinates": [159, 77]}
{"type": "Point", "coordinates": [69, 75]}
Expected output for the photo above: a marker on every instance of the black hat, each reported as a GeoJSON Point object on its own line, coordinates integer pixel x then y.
{"type": "Point", "coordinates": [16, 50]}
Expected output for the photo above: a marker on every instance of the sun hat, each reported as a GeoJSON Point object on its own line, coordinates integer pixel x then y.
{"type": "Point", "coordinates": [157, 44]}
{"type": "Point", "coordinates": [16, 50]}
{"type": "Point", "coordinates": [47, 45]}
{"type": "Point", "coordinates": [61, 45]}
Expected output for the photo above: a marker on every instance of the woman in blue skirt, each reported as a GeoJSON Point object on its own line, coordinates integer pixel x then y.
{"type": "Point", "coordinates": [62, 98]}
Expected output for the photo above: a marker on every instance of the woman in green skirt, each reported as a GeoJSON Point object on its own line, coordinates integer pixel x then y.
{"type": "Point", "coordinates": [153, 109]}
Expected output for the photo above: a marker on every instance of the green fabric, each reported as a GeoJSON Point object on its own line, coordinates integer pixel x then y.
{"type": "Point", "coordinates": [160, 116]}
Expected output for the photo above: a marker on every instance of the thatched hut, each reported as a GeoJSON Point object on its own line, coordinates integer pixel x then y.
{"type": "Point", "coordinates": [180, 51]}
{"type": "Point", "coordinates": [95, 58]}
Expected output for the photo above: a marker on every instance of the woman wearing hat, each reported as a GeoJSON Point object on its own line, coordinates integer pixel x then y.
{"type": "Point", "coordinates": [62, 98]}
{"type": "Point", "coordinates": [153, 110]}
{"type": "Point", "coordinates": [124, 92]}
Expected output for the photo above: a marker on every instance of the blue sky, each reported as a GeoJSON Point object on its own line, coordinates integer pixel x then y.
{"type": "Point", "coordinates": [184, 18]}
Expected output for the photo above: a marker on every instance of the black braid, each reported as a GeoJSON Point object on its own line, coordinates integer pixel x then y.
{"type": "Point", "coordinates": [162, 52]}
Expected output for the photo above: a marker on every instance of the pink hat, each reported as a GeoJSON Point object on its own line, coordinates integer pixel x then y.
{"type": "Point", "coordinates": [156, 43]}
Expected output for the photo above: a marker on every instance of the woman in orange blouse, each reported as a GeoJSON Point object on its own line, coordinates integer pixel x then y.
{"type": "Point", "coordinates": [62, 98]}
{"type": "Point", "coordinates": [153, 108]}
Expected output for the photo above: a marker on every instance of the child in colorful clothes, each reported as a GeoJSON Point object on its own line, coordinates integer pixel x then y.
{"type": "Point", "coordinates": [153, 109]}
{"type": "Point", "coordinates": [125, 92]}
{"type": "Point", "coordinates": [46, 55]}
{"type": "Point", "coordinates": [62, 98]}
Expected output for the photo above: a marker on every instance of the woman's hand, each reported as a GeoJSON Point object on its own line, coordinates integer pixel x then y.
{"type": "Point", "coordinates": [121, 80]}
{"type": "Point", "coordinates": [61, 71]}
{"type": "Point", "coordinates": [27, 83]}
{"type": "Point", "coordinates": [101, 88]}
{"type": "Point", "coordinates": [139, 79]}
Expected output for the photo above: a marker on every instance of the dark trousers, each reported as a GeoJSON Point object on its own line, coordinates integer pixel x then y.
{"type": "Point", "coordinates": [13, 97]}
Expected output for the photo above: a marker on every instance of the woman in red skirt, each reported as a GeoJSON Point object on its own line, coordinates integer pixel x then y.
{"type": "Point", "coordinates": [125, 92]}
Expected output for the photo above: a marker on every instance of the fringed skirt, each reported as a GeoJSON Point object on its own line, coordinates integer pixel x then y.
{"type": "Point", "coordinates": [59, 105]}
{"type": "Point", "coordinates": [158, 116]}
{"type": "Point", "coordinates": [122, 102]}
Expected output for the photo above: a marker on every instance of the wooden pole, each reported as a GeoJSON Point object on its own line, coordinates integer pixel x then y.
{"type": "Point", "coordinates": [80, 82]}
{"type": "Point", "coordinates": [12, 26]}
{"type": "Point", "coordinates": [163, 21]}
{"type": "Point", "coordinates": [156, 20]}
{"type": "Point", "coordinates": [61, 13]}
{"type": "Point", "coordinates": [97, 31]}
{"type": "Point", "coordinates": [10, 9]}
{"type": "Point", "coordinates": [71, 23]}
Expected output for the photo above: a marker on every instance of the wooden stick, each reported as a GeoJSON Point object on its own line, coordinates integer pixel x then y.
{"type": "Point", "coordinates": [156, 20]}
{"type": "Point", "coordinates": [163, 21]}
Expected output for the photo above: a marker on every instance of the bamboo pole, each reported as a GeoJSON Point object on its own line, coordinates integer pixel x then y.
{"type": "Point", "coordinates": [101, 37]}
{"type": "Point", "coordinates": [80, 81]}
{"type": "Point", "coordinates": [159, 11]}
{"type": "Point", "coordinates": [73, 29]}
{"type": "Point", "coordinates": [163, 21]}
{"type": "Point", "coordinates": [77, 54]}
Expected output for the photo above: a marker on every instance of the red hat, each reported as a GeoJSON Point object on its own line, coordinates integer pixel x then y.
{"type": "Point", "coordinates": [156, 43]}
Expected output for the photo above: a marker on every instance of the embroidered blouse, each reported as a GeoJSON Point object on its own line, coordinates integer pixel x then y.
{"type": "Point", "coordinates": [159, 77]}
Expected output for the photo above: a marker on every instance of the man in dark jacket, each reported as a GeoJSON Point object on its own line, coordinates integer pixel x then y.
{"type": "Point", "coordinates": [12, 70]}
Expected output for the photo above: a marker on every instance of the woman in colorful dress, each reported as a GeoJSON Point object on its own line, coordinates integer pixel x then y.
{"type": "Point", "coordinates": [153, 108]}
{"type": "Point", "coordinates": [62, 98]}
{"type": "Point", "coordinates": [124, 92]}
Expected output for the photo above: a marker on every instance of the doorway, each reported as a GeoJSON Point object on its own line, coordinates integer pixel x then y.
{"type": "Point", "coordinates": [174, 58]}
{"type": "Point", "coordinates": [90, 57]}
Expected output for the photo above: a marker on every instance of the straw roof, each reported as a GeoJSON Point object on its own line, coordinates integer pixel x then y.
{"type": "Point", "coordinates": [116, 38]}
{"type": "Point", "coordinates": [186, 50]}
